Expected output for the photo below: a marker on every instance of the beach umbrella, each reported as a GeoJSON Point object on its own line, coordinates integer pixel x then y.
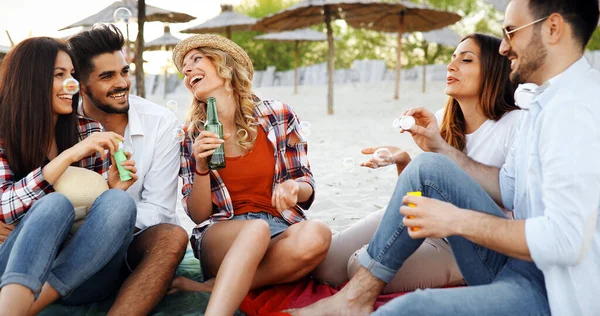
{"type": "Point", "coordinates": [165, 42]}
{"type": "Point", "coordinates": [226, 22]}
{"type": "Point", "coordinates": [296, 36]}
{"type": "Point", "coordinates": [402, 15]}
{"type": "Point", "coordinates": [445, 37]}
{"type": "Point", "coordinates": [153, 14]}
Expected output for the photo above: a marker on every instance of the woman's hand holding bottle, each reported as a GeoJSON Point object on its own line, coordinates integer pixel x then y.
{"type": "Point", "coordinates": [204, 146]}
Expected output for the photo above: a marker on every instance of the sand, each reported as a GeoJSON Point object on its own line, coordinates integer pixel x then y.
{"type": "Point", "coordinates": [363, 117]}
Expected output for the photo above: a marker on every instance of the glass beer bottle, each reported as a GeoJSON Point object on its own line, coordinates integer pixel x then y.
{"type": "Point", "coordinates": [217, 159]}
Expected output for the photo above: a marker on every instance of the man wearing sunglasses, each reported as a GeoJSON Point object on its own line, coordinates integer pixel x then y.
{"type": "Point", "coordinates": [545, 261]}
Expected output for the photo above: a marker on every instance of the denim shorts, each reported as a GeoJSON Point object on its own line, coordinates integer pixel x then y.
{"type": "Point", "coordinates": [276, 225]}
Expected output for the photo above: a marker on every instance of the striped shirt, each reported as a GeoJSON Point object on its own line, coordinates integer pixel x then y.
{"type": "Point", "coordinates": [18, 196]}
{"type": "Point", "coordinates": [278, 121]}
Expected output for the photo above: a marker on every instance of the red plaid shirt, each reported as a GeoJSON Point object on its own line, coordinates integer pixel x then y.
{"type": "Point", "coordinates": [17, 197]}
{"type": "Point", "coordinates": [278, 121]}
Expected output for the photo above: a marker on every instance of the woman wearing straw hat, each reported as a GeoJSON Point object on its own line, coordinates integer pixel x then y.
{"type": "Point", "coordinates": [39, 134]}
{"type": "Point", "coordinates": [251, 228]}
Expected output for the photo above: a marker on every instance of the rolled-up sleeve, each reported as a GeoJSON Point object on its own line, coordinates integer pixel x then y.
{"type": "Point", "coordinates": [570, 188]}
{"type": "Point", "coordinates": [296, 158]}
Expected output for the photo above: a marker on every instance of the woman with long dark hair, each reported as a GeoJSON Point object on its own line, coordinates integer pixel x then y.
{"type": "Point", "coordinates": [479, 119]}
{"type": "Point", "coordinates": [41, 137]}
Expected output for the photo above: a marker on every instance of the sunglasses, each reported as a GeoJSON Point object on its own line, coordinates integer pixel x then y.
{"type": "Point", "coordinates": [507, 33]}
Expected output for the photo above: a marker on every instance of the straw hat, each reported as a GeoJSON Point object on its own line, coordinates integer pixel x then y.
{"type": "Point", "coordinates": [212, 41]}
{"type": "Point", "coordinates": [82, 187]}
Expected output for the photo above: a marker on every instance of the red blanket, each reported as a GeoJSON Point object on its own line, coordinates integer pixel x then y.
{"type": "Point", "coordinates": [270, 301]}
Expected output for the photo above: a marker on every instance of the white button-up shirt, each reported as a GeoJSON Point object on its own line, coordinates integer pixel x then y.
{"type": "Point", "coordinates": [150, 132]}
{"type": "Point", "coordinates": [552, 179]}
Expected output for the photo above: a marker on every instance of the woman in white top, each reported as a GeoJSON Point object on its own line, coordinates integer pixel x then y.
{"type": "Point", "coordinates": [480, 119]}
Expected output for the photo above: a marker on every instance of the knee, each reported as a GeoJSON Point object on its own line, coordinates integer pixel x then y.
{"type": "Point", "coordinates": [425, 164]}
{"type": "Point", "coordinates": [312, 242]}
{"type": "Point", "coordinates": [119, 207]}
{"type": "Point", "coordinates": [257, 230]}
{"type": "Point", "coordinates": [54, 207]}
{"type": "Point", "coordinates": [171, 239]}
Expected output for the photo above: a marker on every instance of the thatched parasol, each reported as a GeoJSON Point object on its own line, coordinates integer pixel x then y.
{"type": "Point", "coordinates": [445, 37]}
{"type": "Point", "coordinates": [152, 14]}
{"type": "Point", "coordinates": [297, 36]}
{"type": "Point", "coordinates": [226, 22]}
{"type": "Point", "coordinates": [400, 17]}
{"type": "Point", "coordinates": [360, 12]}
{"type": "Point", "coordinates": [166, 42]}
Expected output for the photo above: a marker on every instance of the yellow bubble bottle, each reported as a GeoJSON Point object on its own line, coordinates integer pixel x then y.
{"type": "Point", "coordinates": [415, 193]}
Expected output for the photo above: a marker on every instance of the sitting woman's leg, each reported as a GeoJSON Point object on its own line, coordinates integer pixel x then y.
{"type": "Point", "coordinates": [285, 258]}
{"type": "Point", "coordinates": [232, 250]}
{"type": "Point", "coordinates": [27, 254]}
{"type": "Point", "coordinates": [343, 245]}
{"type": "Point", "coordinates": [102, 239]}
{"type": "Point", "coordinates": [431, 266]}
{"type": "Point", "coordinates": [294, 254]}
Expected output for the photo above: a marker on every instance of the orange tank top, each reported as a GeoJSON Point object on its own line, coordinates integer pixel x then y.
{"type": "Point", "coordinates": [249, 178]}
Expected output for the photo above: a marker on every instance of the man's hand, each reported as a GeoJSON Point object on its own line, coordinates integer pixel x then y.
{"type": "Point", "coordinates": [5, 230]}
{"type": "Point", "coordinates": [114, 181]}
{"type": "Point", "coordinates": [285, 195]}
{"type": "Point", "coordinates": [425, 132]}
{"type": "Point", "coordinates": [429, 217]}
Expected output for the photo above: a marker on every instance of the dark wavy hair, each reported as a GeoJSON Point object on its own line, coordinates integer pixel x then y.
{"type": "Point", "coordinates": [100, 39]}
{"type": "Point", "coordinates": [497, 91]}
{"type": "Point", "coordinates": [26, 115]}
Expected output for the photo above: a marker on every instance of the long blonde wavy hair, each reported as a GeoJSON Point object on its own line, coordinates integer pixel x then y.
{"type": "Point", "coordinates": [237, 80]}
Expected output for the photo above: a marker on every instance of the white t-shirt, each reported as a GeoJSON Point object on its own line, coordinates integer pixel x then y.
{"type": "Point", "coordinates": [490, 143]}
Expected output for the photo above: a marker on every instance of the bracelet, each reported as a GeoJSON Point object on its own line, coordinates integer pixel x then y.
{"type": "Point", "coordinates": [201, 174]}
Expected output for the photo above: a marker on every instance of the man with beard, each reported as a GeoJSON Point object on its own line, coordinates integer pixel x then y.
{"type": "Point", "coordinates": [160, 243]}
{"type": "Point", "coordinates": [546, 260]}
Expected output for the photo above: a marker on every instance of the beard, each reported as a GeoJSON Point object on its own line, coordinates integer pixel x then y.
{"type": "Point", "coordinates": [533, 59]}
{"type": "Point", "coordinates": [106, 107]}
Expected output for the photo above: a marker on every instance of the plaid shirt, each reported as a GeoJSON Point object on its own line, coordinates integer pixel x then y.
{"type": "Point", "coordinates": [278, 121]}
{"type": "Point", "coordinates": [17, 197]}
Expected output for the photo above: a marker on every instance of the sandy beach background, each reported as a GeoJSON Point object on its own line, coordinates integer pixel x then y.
{"type": "Point", "coordinates": [363, 118]}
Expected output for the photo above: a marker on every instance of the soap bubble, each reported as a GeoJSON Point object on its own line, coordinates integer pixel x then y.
{"type": "Point", "coordinates": [172, 105]}
{"type": "Point", "coordinates": [178, 135]}
{"type": "Point", "coordinates": [122, 15]}
{"type": "Point", "coordinates": [305, 129]}
{"type": "Point", "coordinates": [71, 86]}
{"type": "Point", "coordinates": [348, 164]}
{"type": "Point", "coordinates": [383, 157]}
{"type": "Point", "coordinates": [405, 122]}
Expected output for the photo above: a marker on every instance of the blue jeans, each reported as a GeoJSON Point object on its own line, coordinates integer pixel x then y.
{"type": "Point", "coordinates": [84, 269]}
{"type": "Point", "coordinates": [498, 285]}
{"type": "Point", "coordinates": [276, 225]}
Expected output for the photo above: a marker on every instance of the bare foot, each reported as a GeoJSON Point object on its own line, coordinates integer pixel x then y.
{"type": "Point", "coordinates": [356, 298]}
{"type": "Point", "coordinates": [183, 284]}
